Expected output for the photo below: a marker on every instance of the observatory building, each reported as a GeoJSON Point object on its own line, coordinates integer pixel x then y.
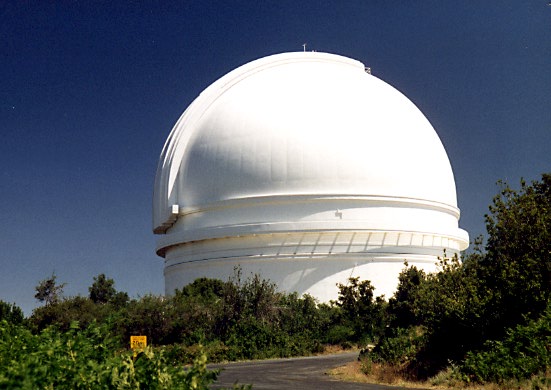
{"type": "Point", "coordinates": [306, 169]}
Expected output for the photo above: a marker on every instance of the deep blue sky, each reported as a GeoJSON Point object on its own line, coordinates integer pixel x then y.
{"type": "Point", "coordinates": [89, 91]}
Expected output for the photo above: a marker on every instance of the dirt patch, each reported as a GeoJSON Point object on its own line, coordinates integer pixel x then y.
{"type": "Point", "coordinates": [333, 349]}
{"type": "Point", "coordinates": [350, 373]}
{"type": "Point", "coordinates": [385, 375]}
{"type": "Point", "coordinates": [354, 372]}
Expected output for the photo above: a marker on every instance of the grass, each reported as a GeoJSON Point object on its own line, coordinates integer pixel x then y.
{"type": "Point", "coordinates": [363, 372]}
{"type": "Point", "coordinates": [376, 373]}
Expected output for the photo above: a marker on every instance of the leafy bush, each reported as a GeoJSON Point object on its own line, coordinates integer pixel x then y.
{"type": "Point", "coordinates": [238, 319]}
{"type": "Point", "coordinates": [403, 307]}
{"type": "Point", "coordinates": [445, 305]}
{"type": "Point", "coordinates": [103, 291]}
{"type": "Point", "coordinates": [208, 290]}
{"type": "Point", "coordinates": [65, 311]}
{"type": "Point", "coordinates": [490, 295]}
{"type": "Point", "coordinates": [149, 316]}
{"type": "Point", "coordinates": [11, 313]}
{"type": "Point", "coordinates": [339, 334]}
{"type": "Point", "coordinates": [516, 267]}
{"type": "Point", "coordinates": [88, 359]}
{"type": "Point", "coordinates": [361, 312]}
{"type": "Point", "coordinates": [400, 348]}
{"type": "Point", "coordinates": [524, 352]}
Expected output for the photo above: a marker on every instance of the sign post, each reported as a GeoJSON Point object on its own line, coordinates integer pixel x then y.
{"type": "Point", "coordinates": [138, 344]}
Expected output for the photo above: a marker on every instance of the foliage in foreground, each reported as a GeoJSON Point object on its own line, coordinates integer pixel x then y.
{"type": "Point", "coordinates": [88, 359]}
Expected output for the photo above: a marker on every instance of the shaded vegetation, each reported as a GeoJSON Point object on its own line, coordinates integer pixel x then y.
{"type": "Point", "coordinates": [11, 313]}
{"type": "Point", "coordinates": [487, 315]}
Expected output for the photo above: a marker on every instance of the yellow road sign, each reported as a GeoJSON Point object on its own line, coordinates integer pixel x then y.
{"type": "Point", "coordinates": [138, 342]}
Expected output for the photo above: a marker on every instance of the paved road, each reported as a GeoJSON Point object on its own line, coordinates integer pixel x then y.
{"type": "Point", "coordinates": [307, 373]}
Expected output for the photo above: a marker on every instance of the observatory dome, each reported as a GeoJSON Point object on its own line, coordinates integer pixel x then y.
{"type": "Point", "coordinates": [306, 169]}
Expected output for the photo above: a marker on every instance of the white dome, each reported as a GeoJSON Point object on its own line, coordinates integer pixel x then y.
{"type": "Point", "coordinates": [301, 143]}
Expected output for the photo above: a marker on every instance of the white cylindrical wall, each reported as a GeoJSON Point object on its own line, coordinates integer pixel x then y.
{"type": "Point", "coordinates": [315, 275]}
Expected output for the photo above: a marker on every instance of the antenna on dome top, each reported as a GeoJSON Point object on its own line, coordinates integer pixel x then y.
{"type": "Point", "coordinates": [304, 46]}
{"type": "Point", "coordinates": [367, 70]}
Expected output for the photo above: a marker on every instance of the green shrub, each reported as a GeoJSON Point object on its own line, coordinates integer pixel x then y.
{"type": "Point", "coordinates": [400, 348]}
{"type": "Point", "coordinates": [11, 313]}
{"type": "Point", "coordinates": [338, 334]}
{"type": "Point", "coordinates": [237, 319]}
{"type": "Point", "coordinates": [504, 283]}
{"type": "Point", "coordinates": [360, 310]}
{"type": "Point", "coordinates": [65, 311]}
{"type": "Point", "coordinates": [524, 352]}
{"type": "Point", "coordinates": [366, 365]}
{"type": "Point", "coordinates": [88, 359]}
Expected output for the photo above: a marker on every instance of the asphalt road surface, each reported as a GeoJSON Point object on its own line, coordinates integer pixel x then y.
{"type": "Point", "coordinates": [308, 373]}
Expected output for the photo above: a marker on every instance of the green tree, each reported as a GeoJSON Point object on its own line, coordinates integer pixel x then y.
{"type": "Point", "coordinates": [49, 291]}
{"type": "Point", "coordinates": [451, 306]}
{"type": "Point", "coordinates": [499, 286]}
{"type": "Point", "coordinates": [403, 307]}
{"type": "Point", "coordinates": [361, 312]}
{"type": "Point", "coordinates": [102, 290]}
{"type": "Point", "coordinates": [149, 316]}
{"type": "Point", "coordinates": [11, 313]}
{"type": "Point", "coordinates": [104, 302]}
{"type": "Point", "coordinates": [66, 311]}
{"type": "Point", "coordinates": [205, 288]}
{"type": "Point", "coordinates": [517, 262]}
{"type": "Point", "coordinates": [252, 297]}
